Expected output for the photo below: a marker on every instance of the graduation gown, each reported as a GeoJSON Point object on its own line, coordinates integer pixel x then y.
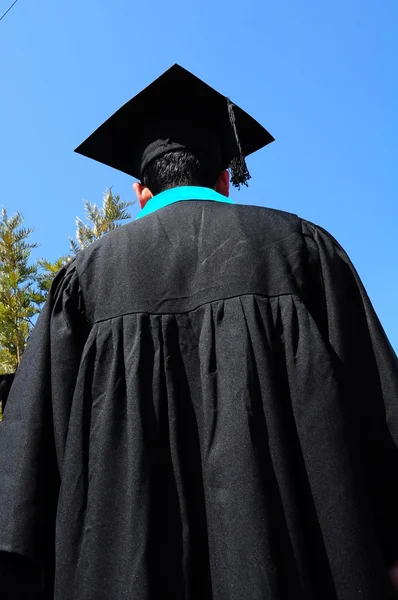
{"type": "Point", "coordinates": [207, 409]}
{"type": "Point", "coordinates": [5, 386]}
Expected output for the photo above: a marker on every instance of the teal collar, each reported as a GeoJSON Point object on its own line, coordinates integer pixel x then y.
{"type": "Point", "coordinates": [179, 194]}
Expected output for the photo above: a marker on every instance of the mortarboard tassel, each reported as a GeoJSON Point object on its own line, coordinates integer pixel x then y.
{"type": "Point", "coordinates": [239, 172]}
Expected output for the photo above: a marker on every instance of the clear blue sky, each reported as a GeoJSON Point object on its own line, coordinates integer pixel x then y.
{"type": "Point", "coordinates": [321, 76]}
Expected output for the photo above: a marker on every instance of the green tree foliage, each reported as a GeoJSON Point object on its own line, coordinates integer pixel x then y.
{"type": "Point", "coordinates": [101, 220]}
{"type": "Point", "coordinates": [48, 271]}
{"type": "Point", "coordinates": [20, 299]}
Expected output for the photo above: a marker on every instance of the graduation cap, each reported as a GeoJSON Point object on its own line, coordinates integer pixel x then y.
{"type": "Point", "coordinates": [177, 111]}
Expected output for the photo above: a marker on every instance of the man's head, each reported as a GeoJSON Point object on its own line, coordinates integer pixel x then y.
{"type": "Point", "coordinates": [180, 168]}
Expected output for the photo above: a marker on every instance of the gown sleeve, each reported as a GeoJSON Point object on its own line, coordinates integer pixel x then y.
{"type": "Point", "coordinates": [32, 435]}
{"type": "Point", "coordinates": [368, 371]}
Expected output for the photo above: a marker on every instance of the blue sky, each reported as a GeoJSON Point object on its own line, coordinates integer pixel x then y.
{"type": "Point", "coordinates": [321, 76]}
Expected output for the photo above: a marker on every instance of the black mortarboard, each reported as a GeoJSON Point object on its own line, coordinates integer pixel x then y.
{"type": "Point", "coordinates": [176, 111]}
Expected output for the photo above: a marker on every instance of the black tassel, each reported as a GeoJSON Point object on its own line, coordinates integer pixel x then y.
{"type": "Point", "coordinates": [239, 172]}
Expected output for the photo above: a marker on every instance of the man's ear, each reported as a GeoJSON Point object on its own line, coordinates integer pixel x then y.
{"type": "Point", "coordinates": [143, 193]}
{"type": "Point", "coordinates": [222, 185]}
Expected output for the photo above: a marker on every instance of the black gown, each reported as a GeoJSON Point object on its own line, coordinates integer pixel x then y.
{"type": "Point", "coordinates": [5, 386]}
{"type": "Point", "coordinates": [207, 409]}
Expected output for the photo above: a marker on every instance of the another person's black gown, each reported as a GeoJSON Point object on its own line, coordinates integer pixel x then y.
{"type": "Point", "coordinates": [5, 386]}
{"type": "Point", "coordinates": [207, 409]}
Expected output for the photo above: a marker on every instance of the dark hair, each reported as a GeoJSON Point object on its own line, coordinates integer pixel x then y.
{"type": "Point", "coordinates": [177, 168]}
